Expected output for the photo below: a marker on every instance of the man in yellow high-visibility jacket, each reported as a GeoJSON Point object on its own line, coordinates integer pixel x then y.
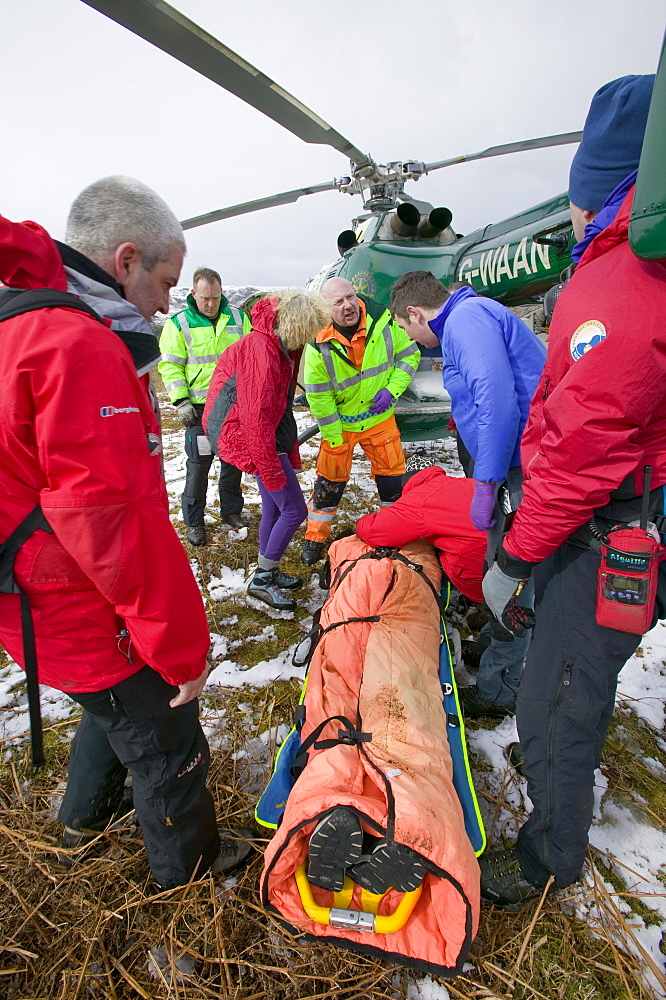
{"type": "Point", "coordinates": [353, 374]}
{"type": "Point", "coordinates": [192, 342]}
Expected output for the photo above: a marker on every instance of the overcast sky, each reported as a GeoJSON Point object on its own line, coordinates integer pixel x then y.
{"type": "Point", "coordinates": [84, 98]}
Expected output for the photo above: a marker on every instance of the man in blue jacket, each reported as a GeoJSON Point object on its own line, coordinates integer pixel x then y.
{"type": "Point", "coordinates": [491, 366]}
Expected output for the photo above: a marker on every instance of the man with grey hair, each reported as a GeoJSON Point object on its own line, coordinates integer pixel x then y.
{"type": "Point", "coordinates": [118, 619]}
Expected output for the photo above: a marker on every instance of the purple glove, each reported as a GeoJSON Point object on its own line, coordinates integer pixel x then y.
{"type": "Point", "coordinates": [481, 510]}
{"type": "Point", "coordinates": [381, 402]}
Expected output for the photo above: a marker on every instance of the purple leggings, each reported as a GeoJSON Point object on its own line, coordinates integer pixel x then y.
{"type": "Point", "coordinates": [281, 513]}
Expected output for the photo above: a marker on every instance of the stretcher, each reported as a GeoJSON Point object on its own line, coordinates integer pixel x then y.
{"type": "Point", "coordinates": [378, 730]}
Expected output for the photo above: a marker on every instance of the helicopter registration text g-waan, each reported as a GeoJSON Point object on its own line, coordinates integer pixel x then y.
{"type": "Point", "coordinates": [490, 266]}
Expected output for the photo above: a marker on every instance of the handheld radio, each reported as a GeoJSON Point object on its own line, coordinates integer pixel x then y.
{"type": "Point", "coordinates": [627, 586]}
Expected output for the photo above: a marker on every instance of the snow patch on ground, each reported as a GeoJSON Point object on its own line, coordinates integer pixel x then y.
{"type": "Point", "coordinates": [228, 584]}
{"type": "Point", "coordinates": [230, 674]}
{"type": "Point", "coordinates": [427, 989]}
{"type": "Point", "coordinates": [14, 721]}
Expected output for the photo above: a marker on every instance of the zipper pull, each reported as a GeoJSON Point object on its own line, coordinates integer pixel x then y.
{"type": "Point", "coordinates": [124, 635]}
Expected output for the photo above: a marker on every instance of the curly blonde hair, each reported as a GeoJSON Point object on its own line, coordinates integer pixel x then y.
{"type": "Point", "coordinates": [300, 317]}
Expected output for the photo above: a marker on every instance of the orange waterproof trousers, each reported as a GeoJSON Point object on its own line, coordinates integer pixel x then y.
{"type": "Point", "coordinates": [381, 445]}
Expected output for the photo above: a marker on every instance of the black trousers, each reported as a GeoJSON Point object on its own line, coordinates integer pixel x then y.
{"type": "Point", "coordinates": [564, 707]}
{"type": "Point", "coordinates": [131, 726]}
{"type": "Point", "coordinates": [196, 486]}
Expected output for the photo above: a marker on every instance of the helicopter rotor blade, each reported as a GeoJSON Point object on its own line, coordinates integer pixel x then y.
{"type": "Point", "coordinates": [509, 147]}
{"type": "Point", "coordinates": [285, 198]}
{"type": "Point", "coordinates": [169, 30]}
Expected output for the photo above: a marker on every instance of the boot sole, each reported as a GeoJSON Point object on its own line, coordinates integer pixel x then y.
{"type": "Point", "coordinates": [335, 844]}
{"type": "Point", "coordinates": [391, 867]}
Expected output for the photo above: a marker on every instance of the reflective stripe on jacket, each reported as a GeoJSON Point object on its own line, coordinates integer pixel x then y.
{"type": "Point", "coordinates": [191, 347]}
{"type": "Point", "coordinates": [337, 389]}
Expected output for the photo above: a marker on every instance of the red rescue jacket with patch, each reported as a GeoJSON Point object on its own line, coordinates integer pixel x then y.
{"type": "Point", "coordinates": [77, 436]}
{"type": "Point", "coordinates": [599, 413]}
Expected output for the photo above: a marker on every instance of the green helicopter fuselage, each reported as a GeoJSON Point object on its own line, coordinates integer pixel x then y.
{"type": "Point", "coordinates": [508, 261]}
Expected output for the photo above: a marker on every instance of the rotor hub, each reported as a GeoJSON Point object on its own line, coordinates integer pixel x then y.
{"type": "Point", "coordinates": [382, 197]}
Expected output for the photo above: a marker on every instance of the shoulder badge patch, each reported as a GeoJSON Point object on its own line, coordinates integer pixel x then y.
{"type": "Point", "coordinates": [587, 335]}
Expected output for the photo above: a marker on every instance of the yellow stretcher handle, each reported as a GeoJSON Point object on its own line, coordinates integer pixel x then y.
{"type": "Point", "coordinates": [367, 919]}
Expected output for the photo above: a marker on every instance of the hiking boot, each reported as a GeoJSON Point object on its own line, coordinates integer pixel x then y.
{"type": "Point", "coordinates": [389, 866]}
{"type": "Point", "coordinates": [471, 653]}
{"type": "Point", "coordinates": [478, 618]}
{"type": "Point", "coordinates": [236, 521]}
{"type": "Point", "coordinates": [73, 839]}
{"type": "Point", "coordinates": [336, 843]}
{"type": "Point", "coordinates": [286, 581]}
{"type": "Point", "coordinates": [476, 707]}
{"type": "Point", "coordinates": [264, 588]}
{"type": "Point", "coordinates": [311, 552]}
{"type": "Point", "coordinates": [503, 881]}
{"type": "Point", "coordinates": [196, 534]}
{"type": "Point", "coordinates": [515, 757]}
{"type": "Point", "coordinates": [70, 841]}
{"type": "Point", "coordinates": [236, 851]}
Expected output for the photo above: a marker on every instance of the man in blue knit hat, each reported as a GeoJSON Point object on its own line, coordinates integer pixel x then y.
{"type": "Point", "coordinates": [597, 419]}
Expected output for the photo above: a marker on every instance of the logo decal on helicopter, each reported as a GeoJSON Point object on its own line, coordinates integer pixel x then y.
{"type": "Point", "coordinates": [363, 283]}
{"type": "Point", "coordinates": [493, 264]}
{"type": "Point", "coordinates": [587, 336]}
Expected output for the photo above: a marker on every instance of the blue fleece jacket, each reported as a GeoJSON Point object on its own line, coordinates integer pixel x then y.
{"type": "Point", "coordinates": [491, 366]}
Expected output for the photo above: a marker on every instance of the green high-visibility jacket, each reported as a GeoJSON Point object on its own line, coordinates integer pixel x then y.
{"type": "Point", "coordinates": [338, 393]}
{"type": "Point", "coordinates": [191, 345]}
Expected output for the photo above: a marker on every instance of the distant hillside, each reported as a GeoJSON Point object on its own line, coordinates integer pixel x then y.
{"type": "Point", "coordinates": [237, 294]}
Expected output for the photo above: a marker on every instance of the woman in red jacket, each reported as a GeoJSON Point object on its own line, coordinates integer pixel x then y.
{"type": "Point", "coordinates": [249, 421]}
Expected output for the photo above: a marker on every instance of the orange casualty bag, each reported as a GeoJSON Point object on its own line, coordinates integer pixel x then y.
{"type": "Point", "coordinates": [373, 739]}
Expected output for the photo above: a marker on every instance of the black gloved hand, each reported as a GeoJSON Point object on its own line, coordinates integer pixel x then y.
{"type": "Point", "coordinates": [502, 585]}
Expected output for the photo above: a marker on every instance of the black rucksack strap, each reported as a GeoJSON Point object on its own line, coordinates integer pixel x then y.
{"type": "Point", "coordinates": [16, 301]}
{"type": "Point", "coordinates": [32, 684]}
{"type": "Point", "coordinates": [35, 521]}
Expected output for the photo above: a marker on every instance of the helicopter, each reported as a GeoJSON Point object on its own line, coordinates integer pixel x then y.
{"type": "Point", "coordinates": [514, 261]}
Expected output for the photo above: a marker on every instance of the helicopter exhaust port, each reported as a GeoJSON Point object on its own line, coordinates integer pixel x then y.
{"type": "Point", "coordinates": [406, 220]}
{"type": "Point", "coordinates": [346, 240]}
{"type": "Point", "coordinates": [435, 223]}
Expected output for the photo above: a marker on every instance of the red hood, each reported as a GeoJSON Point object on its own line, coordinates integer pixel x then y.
{"type": "Point", "coordinates": [264, 313]}
{"type": "Point", "coordinates": [29, 258]}
{"type": "Point", "coordinates": [611, 236]}
{"type": "Point", "coordinates": [423, 476]}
